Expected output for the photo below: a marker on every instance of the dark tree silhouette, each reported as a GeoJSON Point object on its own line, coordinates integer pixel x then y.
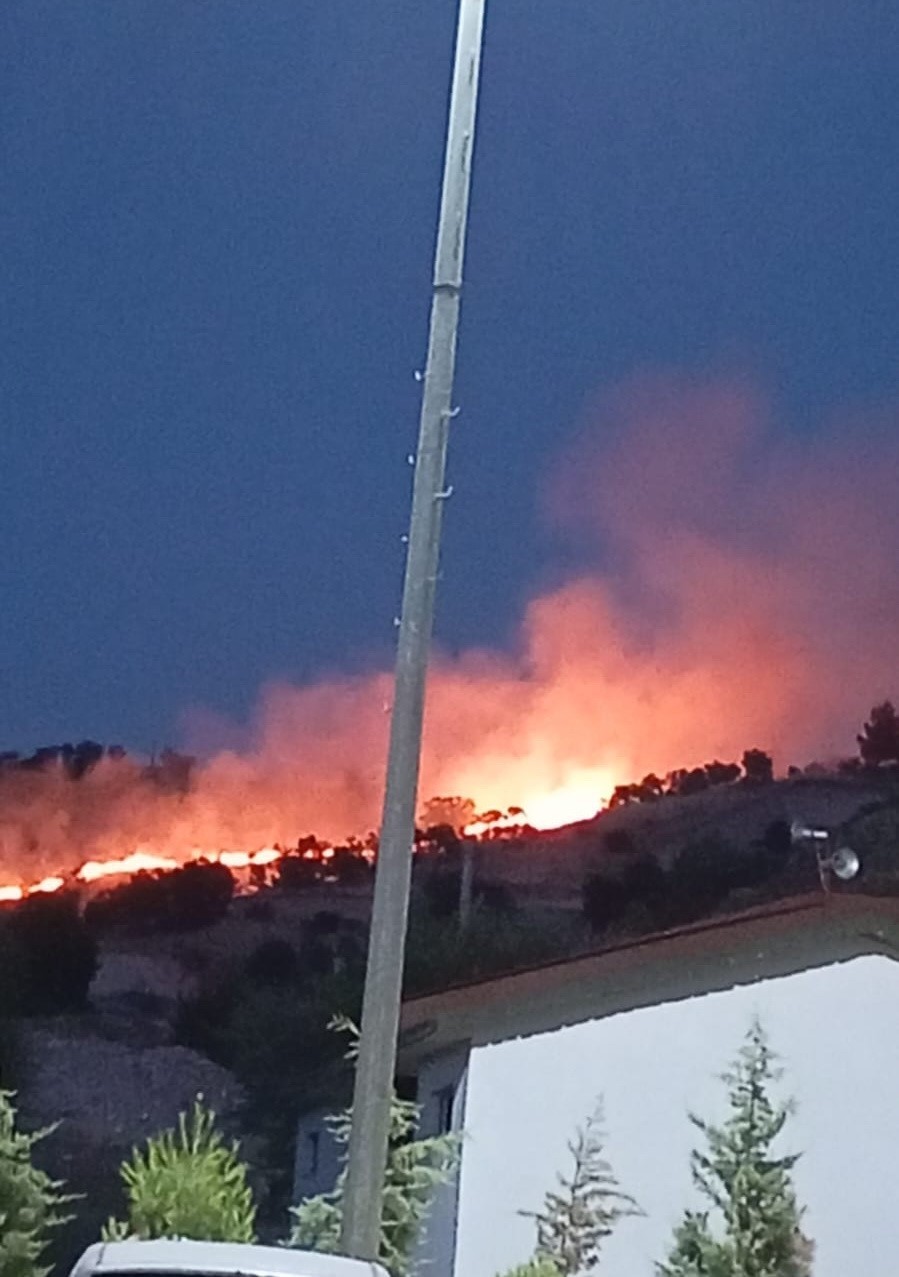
{"type": "Point", "coordinates": [81, 758]}
{"type": "Point", "coordinates": [619, 842]}
{"type": "Point", "coordinates": [57, 954]}
{"type": "Point", "coordinates": [321, 948]}
{"type": "Point", "coordinates": [778, 841]}
{"type": "Point", "coordinates": [622, 796]}
{"type": "Point", "coordinates": [495, 896]}
{"type": "Point", "coordinates": [197, 895]}
{"type": "Point", "coordinates": [758, 767]}
{"type": "Point", "coordinates": [273, 963]}
{"type": "Point", "coordinates": [703, 873]}
{"type": "Point", "coordinates": [722, 773]}
{"type": "Point", "coordinates": [441, 838]}
{"type": "Point", "coordinates": [456, 812]}
{"type": "Point", "coordinates": [441, 886]}
{"type": "Point", "coordinates": [349, 866]}
{"type": "Point", "coordinates": [651, 787]}
{"type": "Point", "coordinates": [173, 771]}
{"type": "Point", "coordinates": [879, 740]}
{"type": "Point", "coordinates": [296, 873]}
{"type": "Point", "coordinates": [645, 791]}
{"type": "Point", "coordinates": [42, 758]}
{"type": "Point", "coordinates": [134, 905]}
{"type": "Point", "coordinates": [606, 897]}
{"type": "Point", "coordinates": [694, 781]}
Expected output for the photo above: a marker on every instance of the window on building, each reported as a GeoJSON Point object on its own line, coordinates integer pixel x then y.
{"type": "Point", "coordinates": [313, 1150]}
{"type": "Point", "coordinates": [407, 1087]}
{"type": "Point", "coordinates": [445, 1098]}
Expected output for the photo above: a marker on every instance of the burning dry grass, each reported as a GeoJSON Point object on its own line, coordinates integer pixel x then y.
{"type": "Point", "coordinates": [747, 596]}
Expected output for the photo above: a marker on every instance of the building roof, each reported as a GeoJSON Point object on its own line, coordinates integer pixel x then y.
{"type": "Point", "coordinates": [776, 939]}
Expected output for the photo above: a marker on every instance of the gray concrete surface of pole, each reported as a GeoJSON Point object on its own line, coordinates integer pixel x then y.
{"type": "Point", "coordinates": [376, 1062]}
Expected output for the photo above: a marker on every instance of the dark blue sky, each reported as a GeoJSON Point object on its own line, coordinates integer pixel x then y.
{"type": "Point", "coordinates": [216, 231]}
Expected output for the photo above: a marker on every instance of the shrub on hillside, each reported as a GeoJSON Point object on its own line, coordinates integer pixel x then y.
{"type": "Point", "coordinates": [196, 895]}
{"type": "Point", "coordinates": [441, 887]}
{"type": "Point", "coordinates": [778, 841]}
{"type": "Point", "coordinates": [439, 954]}
{"type": "Point", "coordinates": [700, 878]}
{"type": "Point", "coordinates": [273, 963]}
{"type": "Point", "coordinates": [758, 767]}
{"type": "Point", "coordinates": [493, 896]}
{"type": "Point", "coordinates": [199, 894]}
{"type": "Point", "coordinates": [619, 842]}
{"type": "Point", "coordinates": [296, 873]}
{"type": "Point", "coordinates": [330, 944]}
{"type": "Point", "coordinates": [350, 867]}
{"type": "Point", "coordinates": [56, 953]}
{"type": "Point", "coordinates": [606, 897]}
{"type": "Point", "coordinates": [202, 1020]}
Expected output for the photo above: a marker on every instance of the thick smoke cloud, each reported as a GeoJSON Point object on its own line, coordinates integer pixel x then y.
{"type": "Point", "coordinates": [746, 595]}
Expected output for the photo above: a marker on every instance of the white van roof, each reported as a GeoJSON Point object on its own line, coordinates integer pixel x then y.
{"type": "Point", "coordinates": [216, 1259]}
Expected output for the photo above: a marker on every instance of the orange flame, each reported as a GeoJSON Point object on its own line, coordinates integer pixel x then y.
{"type": "Point", "coordinates": [748, 608]}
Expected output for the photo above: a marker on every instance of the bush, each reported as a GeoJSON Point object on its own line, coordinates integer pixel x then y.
{"type": "Point", "coordinates": [200, 894]}
{"type": "Point", "coordinates": [56, 952]}
{"type": "Point", "coordinates": [202, 1022]}
{"type": "Point", "coordinates": [196, 895]}
{"type": "Point", "coordinates": [607, 897]}
{"type": "Point", "coordinates": [619, 842]}
{"type": "Point", "coordinates": [702, 875]}
{"type": "Point", "coordinates": [273, 963]}
{"type": "Point", "coordinates": [296, 873]}
{"type": "Point", "coordinates": [494, 897]}
{"type": "Point", "coordinates": [441, 886]}
{"type": "Point", "coordinates": [187, 1183]}
{"type": "Point", "coordinates": [758, 767]}
{"type": "Point", "coordinates": [349, 867]}
{"type": "Point", "coordinates": [439, 954]}
{"type": "Point", "coordinates": [604, 900]}
{"type": "Point", "coordinates": [777, 841]}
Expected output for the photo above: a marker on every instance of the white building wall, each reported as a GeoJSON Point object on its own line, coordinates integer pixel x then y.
{"type": "Point", "coordinates": [837, 1033]}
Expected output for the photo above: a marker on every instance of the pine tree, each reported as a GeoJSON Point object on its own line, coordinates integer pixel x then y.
{"type": "Point", "coordinates": [538, 1266]}
{"type": "Point", "coordinates": [187, 1183]}
{"type": "Point", "coordinates": [879, 741]}
{"type": "Point", "coordinates": [415, 1169]}
{"type": "Point", "coordinates": [749, 1189]}
{"type": "Point", "coordinates": [30, 1202]}
{"type": "Point", "coordinates": [582, 1213]}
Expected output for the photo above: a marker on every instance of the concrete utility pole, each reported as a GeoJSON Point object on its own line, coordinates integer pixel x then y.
{"type": "Point", "coordinates": [376, 1063]}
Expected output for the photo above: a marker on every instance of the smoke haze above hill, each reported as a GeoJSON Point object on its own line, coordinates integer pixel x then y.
{"type": "Point", "coordinates": [747, 596]}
